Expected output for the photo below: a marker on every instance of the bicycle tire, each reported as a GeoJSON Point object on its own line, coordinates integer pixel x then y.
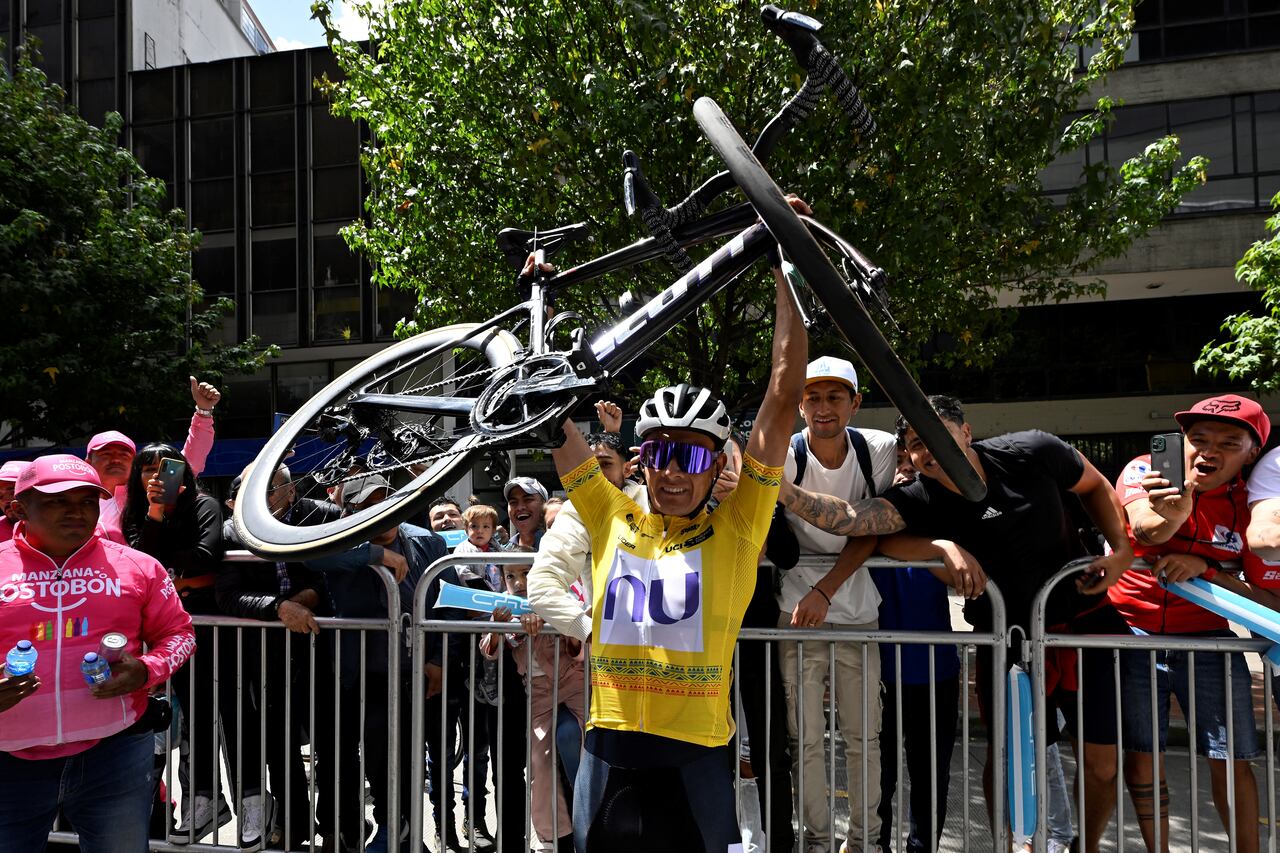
{"type": "Point", "coordinates": [846, 312]}
{"type": "Point", "coordinates": [265, 535]}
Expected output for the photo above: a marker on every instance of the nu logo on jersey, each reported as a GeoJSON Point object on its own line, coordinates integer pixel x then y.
{"type": "Point", "coordinates": [656, 603]}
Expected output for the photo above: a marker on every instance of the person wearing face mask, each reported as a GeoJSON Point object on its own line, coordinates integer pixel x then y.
{"type": "Point", "coordinates": [1188, 530]}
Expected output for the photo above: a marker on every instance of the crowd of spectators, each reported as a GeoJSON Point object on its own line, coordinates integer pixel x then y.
{"type": "Point", "coordinates": [285, 729]}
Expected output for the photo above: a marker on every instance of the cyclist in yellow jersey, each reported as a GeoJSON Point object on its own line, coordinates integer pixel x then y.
{"type": "Point", "coordinates": [670, 590]}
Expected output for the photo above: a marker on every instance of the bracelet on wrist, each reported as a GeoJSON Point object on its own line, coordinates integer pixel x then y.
{"type": "Point", "coordinates": [821, 593]}
{"type": "Point", "coordinates": [204, 413]}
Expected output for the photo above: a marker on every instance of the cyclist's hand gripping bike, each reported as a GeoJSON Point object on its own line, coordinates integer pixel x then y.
{"type": "Point", "coordinates": [421, 410]}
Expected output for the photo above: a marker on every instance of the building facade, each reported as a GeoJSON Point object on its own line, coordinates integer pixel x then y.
{"type": "Point", "coordinates": [248, 149]}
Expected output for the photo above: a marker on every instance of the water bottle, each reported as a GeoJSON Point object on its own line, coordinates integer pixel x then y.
{"type": "Point", "coordinates": [94, 669]}
{"type": "Point", "coordinates": [21, 659]}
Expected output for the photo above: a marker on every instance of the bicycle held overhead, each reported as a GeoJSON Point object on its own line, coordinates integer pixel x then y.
{"type": "Point", "coordinates": [421, 410]}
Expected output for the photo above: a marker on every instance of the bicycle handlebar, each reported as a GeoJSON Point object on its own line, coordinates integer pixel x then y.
{"type": "Point", "coordinates": [822, 70]}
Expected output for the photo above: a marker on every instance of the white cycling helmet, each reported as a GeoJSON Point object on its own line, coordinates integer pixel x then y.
{"type": "Point", "coordinates": [685, 406]}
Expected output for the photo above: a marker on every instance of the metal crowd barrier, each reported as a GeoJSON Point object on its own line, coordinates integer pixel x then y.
{"type": "Point", "coordinates": [866, 641]}
{"type": "Point", "coordinates": [226, 837]}
{"type": "Point", "coordinates": [1042, 640]}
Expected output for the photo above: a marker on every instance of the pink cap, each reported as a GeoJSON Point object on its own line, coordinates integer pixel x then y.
{"type": "Point", "coordinates": [58, 472]}
{"type": "Point", "coordinates": [111, 436]}
{"type": "Point", "coordinates": [10, 470]}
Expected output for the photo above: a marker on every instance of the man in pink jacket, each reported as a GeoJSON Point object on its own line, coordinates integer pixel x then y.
{"type": "Point", "coordinates": [86, 751]}
{"type": "Point", "coordinates": [111, 455]}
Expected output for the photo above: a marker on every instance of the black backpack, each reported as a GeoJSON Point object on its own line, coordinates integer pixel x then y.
{"type": "Point", "coordinates": [782, 548]}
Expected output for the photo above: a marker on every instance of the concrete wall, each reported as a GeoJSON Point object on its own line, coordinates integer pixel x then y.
{"type": "Point", "coordinates": [186, 31]}
{"type": "Point", "coordinates": [1205, 77]}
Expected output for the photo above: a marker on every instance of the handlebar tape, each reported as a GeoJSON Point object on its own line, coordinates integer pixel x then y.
{"type": "Point", "coordinates": [659, 222]}
{"type": "Point", "coordinates": [824, 66]}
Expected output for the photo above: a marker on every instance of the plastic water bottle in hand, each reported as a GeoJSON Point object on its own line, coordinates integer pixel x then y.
{"type": "Point", "coordinates": [95, 669]}
{"type": "Point", "coordinates": [21, 659]}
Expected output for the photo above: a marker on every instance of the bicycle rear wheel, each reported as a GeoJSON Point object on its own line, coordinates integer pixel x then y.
{"type": "Point", "coordinates": [329, 442]}
{"type": "Point", "coordinates": [845, 310]}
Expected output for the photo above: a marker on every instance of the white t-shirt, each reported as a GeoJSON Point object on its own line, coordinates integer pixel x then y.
{"type": "Point", "coordinates": [1264, 482]}
{"type": "Point", "coordinates": [856, 602]}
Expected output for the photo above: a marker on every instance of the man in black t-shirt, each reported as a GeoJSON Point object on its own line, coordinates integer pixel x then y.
{"type": "Point", "coordinates": [1019, 535]}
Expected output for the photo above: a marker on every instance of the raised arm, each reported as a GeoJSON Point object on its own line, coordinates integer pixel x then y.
{"type": "Point", "coordinates": [868, 517]}
{"type": "Point", "coordinates": [1264, 529]}
{"type": "Point", "coordinates": [777, 416]}
{"type": "Point", "coordinates": [1102, 504]}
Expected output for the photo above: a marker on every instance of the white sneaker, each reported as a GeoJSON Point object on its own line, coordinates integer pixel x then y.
{"type": "Point", "coordinates": [198, 819]}
{"type": "Point", "coordinates": [257, 822]}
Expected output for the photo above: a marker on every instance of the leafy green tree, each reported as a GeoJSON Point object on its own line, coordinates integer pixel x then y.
{"type": "Point", "coordinates": [1252, 351]}
{"type": "Point", "coordinates": [101, 323]}
{"type": "Point", "coordinates": [494, 114]}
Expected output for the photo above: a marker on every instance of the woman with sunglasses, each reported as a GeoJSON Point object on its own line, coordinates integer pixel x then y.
{"type": "Point", "coordinates": [670, 587]}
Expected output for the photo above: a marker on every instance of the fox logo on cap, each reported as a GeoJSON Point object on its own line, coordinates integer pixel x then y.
{"type": "Point", "coordinates": [1220, 406]}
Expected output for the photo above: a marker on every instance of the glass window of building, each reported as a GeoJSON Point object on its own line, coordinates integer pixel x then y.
{"type": "Point", "coordinates": [393, 305]}
{"type": "Point", "coordinates": [213, 204]}
{"type": "Point", "coordinates": [96, 51]}
{"type": "Point", "coordinates": [1266, 115]}
{"type": "Point", "coordinates": [274, 263]}
{"type": "Point", "coordinates": [271, 81]}
{"type": "Point", "coordinates": [336, 194]}
{"type": "Point", "coordinates": [214, 268]}
{"type": "Point", "coordinates": [94, 99]}
{"type": "Point", "coordinates": [334, 140]}
{"type": "Point", "coordinates": [211, 90]}
{"type": "Point", "coordinates": [49, 39]}
{"type": "Point", "coordinates": [273, 201]}
{"type": "Point", "coordinates": [271, 142]}
{"type": "Point", "coordinates": [335, 313]}
{"type": "Point", "coordinates": [213, 148]}
{"type": "Point", "coordinates": [152, 95]}
{"type": "Point", "coordinates": [298, 382]}
{"type": "Point", "coordinates": [41, 12]}
{"type": "Point", "coordinates": [275, 316]}
{"type": "Point", "coordinates": [153, 146]}
{"type": "Point", "coordinates": [245, 409]}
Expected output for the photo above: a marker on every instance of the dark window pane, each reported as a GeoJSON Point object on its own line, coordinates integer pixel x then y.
{"type": "Point", "coordinates": [5, 21]}
{"type": "Point", "coordinates": [95, 99]}
{"type": "Point", "coordinates": [336, 314]}
{"type": "Point", "coordinates": [323, 63]}
{"type": "Point", "coordinates": [334, 262]}
{"type": "Point", "coordinates": [1244, 134]}
{"type": "Point", "coordinates": [1268, 188]}
{"type": "Point", "coordinates": [1264, 32]}
{"type": "Point", "coordinates": [1176, 11]}
{"type": "Point", "coordinates": [247, 401]}
{"type": "Point", "coordinates": [51, 52]}
{"type": "Point", "coordinates": [152, 95]}
{"type": "Point", "coordinates": [271, 142]}
{"type": "Point", "coordinates": [337, 194]}
{"type": "Point", "coordinates": [213, 205]}
{"type": "Point", "coordinates": [153, 146]}
{"type": "Point", "coordinates": [334, 140]}
{"type": "Point", "coordinates": [211, 88]}
{"type": "Point", "coordinates": [275, 264]}
{"type": "Point", "coordinates": [1147, 14]}
{"type": "Point", "coordinates": [1229, 194]}
{"type": "Point", "coordinates": [1267, 130]}
{"type": "Point", "coordinates": [271, 81]}
{"type": "Point", "coordinates": [273, 200]}
{"type": "Point", "coordinates": [1199, 39]}
{"type": "Point", "coordinates": [275, 317]}
{"type": "Point", "coordinates": [1064, 172]}
{"type": "Point", "coordinates": [213, 148]}
{"type": "Point", "coordinates": [97, 48]}
{"type": "Point", "coordinates": [393, 306]}
{"type": "Point", "coordinates": [215, 270]}
{"type": "Point", "coordinates": [224, 332]}
{"type": "Point", "coordinates": [43, 12]}
{"type": "Point", "coordinates": [1134, 129]}
{"type": "Point", "coordinates": [298, 382]}
{"type": "Point", "coordinates": [1150, 43]}
{"type": "Point", "coordinates": [1204, 127]}
{"type": "Point", "coordinates": [96, 8]}
{"type": "Point", "coordinates": [1256, 6]}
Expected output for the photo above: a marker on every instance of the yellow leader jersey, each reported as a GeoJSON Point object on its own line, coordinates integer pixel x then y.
{"type": "Point", "coordinates": [669, 596]}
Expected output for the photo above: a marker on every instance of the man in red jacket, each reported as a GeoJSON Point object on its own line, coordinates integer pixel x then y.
{"type": "Point", "coordinates": [1189, 529]}
{"type": "Point", "coordinates": [86, 751]}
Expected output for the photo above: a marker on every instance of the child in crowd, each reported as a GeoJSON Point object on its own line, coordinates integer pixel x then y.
{"type": "Point", "coordinates": [480, 521]}
{"type": "Point", "coordinates": [558, 709]}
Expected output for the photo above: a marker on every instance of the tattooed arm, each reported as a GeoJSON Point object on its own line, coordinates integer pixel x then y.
{"type": "Point", "coordinates": [1264, 529]}
{"type": "Point", "coordinates": [872, 517]}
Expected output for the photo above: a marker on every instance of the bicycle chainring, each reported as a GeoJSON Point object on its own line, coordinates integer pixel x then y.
{"type": "Point", "coordinates": [528, 400]}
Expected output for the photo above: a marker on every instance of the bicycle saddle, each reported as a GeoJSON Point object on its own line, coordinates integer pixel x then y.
{"type": "Point", "coordinates": [516, 243]}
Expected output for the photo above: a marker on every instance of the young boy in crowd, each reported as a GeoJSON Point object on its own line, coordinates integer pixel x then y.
{"type": "Point", "coordinates": [480, 521]}
{"type": "Point", "coordinates": [553, 675]}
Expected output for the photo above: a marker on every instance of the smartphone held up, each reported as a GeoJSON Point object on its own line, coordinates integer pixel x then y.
{"type": "Point", "coordinates": [170, 476]}
{"type": "Point", "coordinates": [1168, 458]}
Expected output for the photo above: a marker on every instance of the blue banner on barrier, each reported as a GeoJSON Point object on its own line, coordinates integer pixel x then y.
{"type": "Point", "coordinates": [1022, 754]}
{"type": "Point", "coordinates": [480, 600]}
{"type": "Point", "coordinates": [1231, 606]}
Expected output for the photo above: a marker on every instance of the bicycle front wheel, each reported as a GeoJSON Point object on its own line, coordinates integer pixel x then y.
{"type": "Point", "coordinates": [846, 311]}
{"type": "Point", "coordinates": [332, 440]}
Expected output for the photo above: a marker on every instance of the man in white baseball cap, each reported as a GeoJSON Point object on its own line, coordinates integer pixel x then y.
{"type": "Point", "coordinates": [526, 498]}
{"type": "Point", "coordinates": [831, 457]}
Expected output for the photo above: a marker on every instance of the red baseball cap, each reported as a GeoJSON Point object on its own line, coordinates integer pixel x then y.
{"type": "Point", "coordinates": [58, 472]}
{"type": "Point", "coordinates": [10, 470]}
{"type": "Point", "coordinates": [1232, 409]}
{"type": "Point", "coordinates": [111, 436]}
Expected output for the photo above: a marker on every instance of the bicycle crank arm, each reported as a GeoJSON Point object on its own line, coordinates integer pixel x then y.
{"type": "Point", "coordinates": [446, 406]}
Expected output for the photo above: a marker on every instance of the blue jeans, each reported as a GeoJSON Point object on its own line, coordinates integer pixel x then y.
{"type": "Point", "coordinates": [568, 742]}
{"type": "Point", "coordinates": [105, 792]}
{"type": "Point", "coordinates": [1171, 676]}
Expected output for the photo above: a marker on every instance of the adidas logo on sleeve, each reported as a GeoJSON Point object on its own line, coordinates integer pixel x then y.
{"type": "Point", "coordinates": [990, 513]}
